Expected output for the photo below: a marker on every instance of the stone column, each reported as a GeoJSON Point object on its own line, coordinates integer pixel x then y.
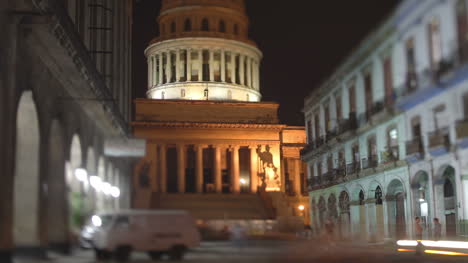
{"type": "Point", "coordinates": [249, 73]}
{"type": "Point", "coordinates": [150, 67]}
{"type": "Point", "coordinates": [200, 65]}
{"type": "Point", "coordinates": [155, 71]}
{"type": "Point", "coordinates": [217, 170]}
{"type": "Point", "coordinates": [169, 66]}
{"type": "Point", "coordinates": [235, 175]}
{"type": "Point", "coordinates": [297, 177]}
{"type": "Point", "coordinates": [253, 169]}
{"type": "Point", "coordinates": [233, 67]}
{"type": "Point", "coordinates": [181, 168]}
{"type": "Point", "coordinates": [242, 69]}
{"type": "Point", "coordinates": [189, 64]}
{"type": "Point", "coordinates": [199, 169]}
{"type": "Point", "coordinates": [256, 76]}
{"type": "Point", "coordinates": [177, 65]}
{"type": "Point", "coordinates": [163, 171]}
{"type": "Point", "coordinates": [211, 65]}
{"type": "Point", "coordinates": [223, 66]}
{"type": "Point", "coordinates": [160, 78]}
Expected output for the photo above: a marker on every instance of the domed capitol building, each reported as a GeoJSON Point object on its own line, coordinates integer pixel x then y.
{"type": "Point", "coordinates": [213, 147]}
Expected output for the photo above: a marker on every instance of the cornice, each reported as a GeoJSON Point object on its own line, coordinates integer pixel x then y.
{"type": "Point", "coordinates": [208, 125]}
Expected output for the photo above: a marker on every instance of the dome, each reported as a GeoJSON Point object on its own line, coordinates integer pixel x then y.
{"type": "Point", "coordinates": [203, 53]}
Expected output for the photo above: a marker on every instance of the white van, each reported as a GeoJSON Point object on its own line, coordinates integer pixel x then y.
{"type": "Point", "coordinates": [157, 232]}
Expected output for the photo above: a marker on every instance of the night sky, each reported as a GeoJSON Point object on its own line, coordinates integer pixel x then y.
{"type": "Point", "coordinates": [302, 41]}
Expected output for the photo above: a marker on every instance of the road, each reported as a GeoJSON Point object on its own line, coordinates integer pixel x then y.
{"type": "Point", "coordinates": [274, 252]}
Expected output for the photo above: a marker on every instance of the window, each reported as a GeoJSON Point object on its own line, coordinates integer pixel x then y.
{"type": "Point", "coordinates": [392, 143]}
{"type": "Point", "coordinates": [368, 93]}
{"type": "Point", "coordinates": [236, 29]}
{"type": "Point", "coordinates": [309, 130]}
{"type": "Point", "coordinates": [327, 118]}
{"type": "Point", "coordinates": [330, 163]}
{"type": "Point", "coordinates": [317, 126]}
{"type": "Point", "coordinates": [411, 77]}
{"type": "Point", "coordinates": [435, 48]}
{"type": "Point", "coordinates": [388, 81]}
{"type": "Point", "coordinates": [205, 25]}
{"type": "Point", "coordinates": [341, 159]}
{"type": "Point", "coordinates": [182, 93]}
{"type": "Point", "coordinates": [222, 26]}
{"type": "Point", "coordinates": [352, 99]}
{"type": "Point", "coordinates": [462, 29]}
{"type": "Point", "coordinates": [339, 112]}
{"type": "Point", "coordinates": [355, 152]}
{"type": "Point", "coordinates": [378, 196]}
{"type": "Point", "coordinates": [187, 25]}
{"type": "Point", "coordinates": [372, 151]}
{"type": "Point", "coordinates": [173, 27]}
{"type": "Point", "coordinates": [465, 106]}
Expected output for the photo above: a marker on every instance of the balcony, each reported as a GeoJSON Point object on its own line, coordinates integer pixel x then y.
{"type": "Point", "coordinates": [369, 163]}
{"type": "Point", "coordinates": [414, 150]}
{"type": "Point", "coordinates": [392, 154]}
{"type": "Point", "coordinates": [439, 142]}
{"type": "Point", "coordinates": [347, 125]}
{"type": "Point", "coordinates": [353, 168]}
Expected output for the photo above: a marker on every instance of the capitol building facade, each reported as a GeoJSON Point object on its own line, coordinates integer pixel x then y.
{"type": "Point", "coordinates": [213, 148]}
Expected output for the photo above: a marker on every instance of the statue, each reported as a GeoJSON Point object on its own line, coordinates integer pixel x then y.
{"type": "Point", "coordinates": [267, 171]}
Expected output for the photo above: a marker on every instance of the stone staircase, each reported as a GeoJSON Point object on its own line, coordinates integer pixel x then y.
{"type": "Point", "coordinates": [215, 206]}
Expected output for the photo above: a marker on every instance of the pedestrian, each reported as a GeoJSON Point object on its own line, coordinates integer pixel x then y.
{"type": "Point", "coordinates": [418, 229]}
{"type": "Point", "coordinates": [437, 229]}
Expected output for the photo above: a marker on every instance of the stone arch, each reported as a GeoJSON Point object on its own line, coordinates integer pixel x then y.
{"type": "Point", "coordinates": [420, 191]}
{"type": "Point", "coordinates": [322, 210]}
{"type": "Point", "coordinates": [446, 198]}
{"type": "Point", "coordinates": [26, 180]}
{"type": "Point", "coordinates": [356, 194]}
{"type": "Point", "coordinates": [396, 204]}
{"type": "Point", "coordinates": [57, 205]}
{"type": "Point", "coordinates": [332, 207]}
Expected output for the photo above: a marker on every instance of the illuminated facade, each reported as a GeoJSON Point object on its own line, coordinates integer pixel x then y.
{"type": "Point", "coordinates": [386, 133]}
{"type": "Point", "coordinates": [212, 147]}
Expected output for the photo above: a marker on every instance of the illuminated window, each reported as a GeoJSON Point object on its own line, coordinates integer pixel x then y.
{"type": "Point", "coordinates": [205, 25]}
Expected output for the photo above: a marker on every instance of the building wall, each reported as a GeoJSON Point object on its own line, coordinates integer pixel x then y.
{"type": "Point", "coordinates": [433, 92]}
{"type": "Point", "coordinates": [56, 112]}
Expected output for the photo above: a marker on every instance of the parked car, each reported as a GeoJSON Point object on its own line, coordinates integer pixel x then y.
{"type": "Point", "coordinates": [157, 232]}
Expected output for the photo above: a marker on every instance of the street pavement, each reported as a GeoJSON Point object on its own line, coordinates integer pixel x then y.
{"type": "Point", "coordinates": [273, 251]}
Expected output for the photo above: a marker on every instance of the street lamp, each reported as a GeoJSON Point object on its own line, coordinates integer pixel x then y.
{"type": "Point", "coordinates": [301, 208]}
{"type": "Point", "coordinates": [115, 192]}
{"type": "Point", "coordinates": [243, 181]}
{"type": "Point", "coordinates": [81, 174]}
{"type": "Point", "coordinates": [96, 183]}
{"type": "Point", "coordinates": [106, 188]}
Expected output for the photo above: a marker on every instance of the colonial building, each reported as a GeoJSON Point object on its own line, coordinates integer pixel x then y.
{"type": "Point", "coordinates": [212, 147]}
{"type": "Point", "coordinates": [64, 90]}
{"type": "Point", "coordinates": [385, 136]}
